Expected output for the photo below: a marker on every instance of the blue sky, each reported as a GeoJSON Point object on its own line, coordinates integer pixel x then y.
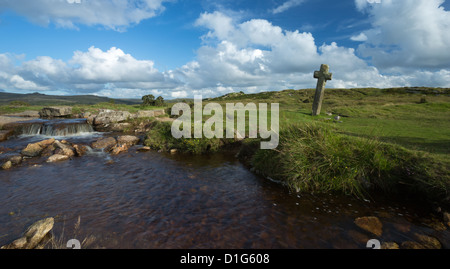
{"type": "Point", "coordinates": [178, 48]}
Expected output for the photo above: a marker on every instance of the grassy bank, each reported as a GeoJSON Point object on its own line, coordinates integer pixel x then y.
{"type": "Point", "coordinates": [316, 158]}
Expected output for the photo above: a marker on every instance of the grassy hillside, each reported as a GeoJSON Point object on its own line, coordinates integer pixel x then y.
{"type": "Point", "coordinates": [37, 99]}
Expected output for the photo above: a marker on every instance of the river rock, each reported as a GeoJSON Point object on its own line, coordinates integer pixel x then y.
{"type": "Point", "coordinates": [370, 224]}
{"type": "Point", "coordinates": [65, 149]}
{"type": "Point", "coordinates": [57, 158]}
{"type": "Point", "coordinates": [51, 112]}
{"type": "Point", "coordinates": [16, 159]}
{"type": "Point", "coordinates": [33, 235]}
{"type": "Point", "coordinates": [48, 151]}
{"type": "Point", "coordinates": [104, 143]}
{"type": "Point", "coordinates": [80, 150]}
{"type": "Point", "coordinates": [7, 165]}
{"type": "Point", "coordinates": [35, 149]}
{"type": "Point", "coordinates": [119, 148]}
{"type": "Point", "coordinates": [129, 140]}
{"type": "Point", "coordinates": [4, 134]}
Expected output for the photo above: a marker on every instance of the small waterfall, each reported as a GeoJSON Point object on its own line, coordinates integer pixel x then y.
{"type": "Point", "coordinates": [57, 128]}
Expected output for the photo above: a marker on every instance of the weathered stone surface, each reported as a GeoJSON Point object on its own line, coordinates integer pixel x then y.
{"type": "Point", "coordinates": [57, 158]}
{"type": "Point", "coordinates": [149, 113]}
{"type": "Point", "coordinates": [7, 165]}
{"type": "Point", "coordinates": [80, 150]}
{"type": "Point", "coordinates": [159, 112]}
{"type": "Point", "coordinates": [104, 143]}
{"type": "Point", "coordinates": [4, 134]}
{"type": "Point", "coordinates": [130, 140]}
{"type": "Point", "coordinates": [51, 112]}
{"type": "Point", "coordinates": [33, 235]}
{"type": "Point", "coordinates": [323, 75]}
{"type": "Point", "coordinates": [48, 151]}
{"type": "Point", "coordinates": [389, 245]}
{"type": "Point", "coordinates": [32, 150]}
{"type": "Point", "coordinates": [370, 224]}
{"type": "Point", "coordinates": [144, 114]}
{"type": "Point", "coordinates": [45, 143]}
{"type": "Point", "coordinates": [110, 116]}
{"type": "Point", "coordinates": [35, 149]}
{"type": "Point", "coordinates": [65, 149]}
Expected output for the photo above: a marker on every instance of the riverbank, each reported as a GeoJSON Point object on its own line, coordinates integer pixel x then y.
{"type": "Point", "coordinates": [388, 140]}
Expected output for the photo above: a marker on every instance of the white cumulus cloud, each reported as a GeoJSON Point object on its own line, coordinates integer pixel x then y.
{"type": "Point", "coordinates": [407, 33]}
{"type": "Point", "coordinates": [113, 14]}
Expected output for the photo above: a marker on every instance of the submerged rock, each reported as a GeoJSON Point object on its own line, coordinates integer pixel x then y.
{"type": "Point", "coordinates": [7, 165]}
{"type": "Point", "coordinates": [370, 224]}
{"type": "Point", "coordinates": [33, 235]}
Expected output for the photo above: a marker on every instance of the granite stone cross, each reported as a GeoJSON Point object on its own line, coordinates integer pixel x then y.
{"type": "Point", "coordinates": [323, 75]}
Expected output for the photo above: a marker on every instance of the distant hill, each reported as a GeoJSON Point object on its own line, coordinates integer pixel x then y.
{"type": "Point", "coordinates": [37, 99]}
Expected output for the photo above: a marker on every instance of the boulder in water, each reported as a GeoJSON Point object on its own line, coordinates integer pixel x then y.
{"type": "Point", "coordinates": [35, 149]}
{"type": "Point", "coordinates": [7, 165]}
{"type": "Point", "coordinates": [52, 112]}
{"type": "Point", "coordinates": [65, 149]}
{"type": "Point", "coordinates": [80, 150]}
{"type": "Point", "coordinates": [33, 235]}
{"type": "Point", "coordinates": [104, 143]}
